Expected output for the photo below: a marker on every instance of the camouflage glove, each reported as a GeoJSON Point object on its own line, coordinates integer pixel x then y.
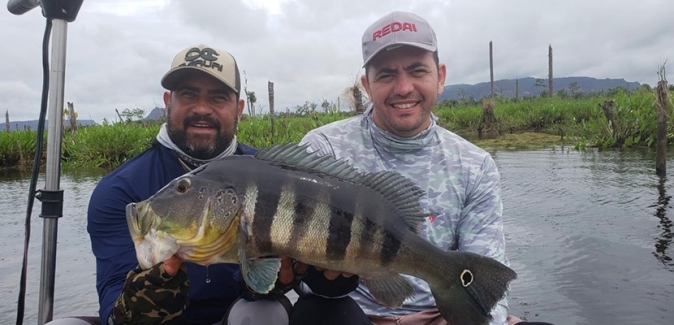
{"type": "Point", "coordinates": [151, 296]}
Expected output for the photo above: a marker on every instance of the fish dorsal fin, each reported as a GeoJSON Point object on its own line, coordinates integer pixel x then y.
{"type": "Point", "coordinates": [396, 188]}
{"type": "Point", "coordinates": [400, 191]}
{"type": "Point", "coordinates": [297, 155]}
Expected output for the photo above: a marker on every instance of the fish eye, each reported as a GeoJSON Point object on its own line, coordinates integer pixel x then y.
{"type": "Point", "coordinates": [466, 278]}
{"type": "Point", "coordinates": [183, 185]}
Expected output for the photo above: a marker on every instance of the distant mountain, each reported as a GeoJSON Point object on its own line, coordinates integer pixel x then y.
{"type": "Point", "coordinates": [156, 113]}
{"type": "Point", "coordinates": [22, 125]}
{"type": "Point", "coordinates": [527, 87]}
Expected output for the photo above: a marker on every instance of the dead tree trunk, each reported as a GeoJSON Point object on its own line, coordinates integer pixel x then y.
{"type": "Point", "coordinates": [358, 100]}
{"type": "Point", "coordinates": [491, 69]}
{"type": "Point", "coordinates": [72, 117]}
{"type": "Point", "coordinates": [488, 118]}
{"type": "Point", "coordinates": [661, 142]}
{"type": "Point", "coordinates": [517, 89]}
{"type": "Point", "coordinates": [120, 116]}
{"type": "Point", "coordinates": [21, 160]}
{"type": "Point", "coordinates": [245, 90]}
{"type": "Point", "coordinates": [7, 121]}
{"type": "Point", "coordinates": [550, 71]}
{"type": "Point", "coordinates": [270, 89]}
{"type": "Point", "coordinates": [609, 112]}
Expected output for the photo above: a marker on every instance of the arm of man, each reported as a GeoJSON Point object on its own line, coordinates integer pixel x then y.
{"type": "Point", "coordinates": [481, 227]}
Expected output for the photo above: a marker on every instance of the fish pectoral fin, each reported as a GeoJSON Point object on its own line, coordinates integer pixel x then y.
{"type": "Point", "coordinates": [391, 290]}
{"type": "Point", "coordinates": [260, 273]}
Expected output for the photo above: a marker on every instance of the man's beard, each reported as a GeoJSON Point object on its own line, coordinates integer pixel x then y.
{"type": "Point", "coordinates": [213, 149]}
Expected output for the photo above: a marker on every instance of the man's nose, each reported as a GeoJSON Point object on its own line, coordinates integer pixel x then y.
{"type": "Point", "coordinates": [403, 85]}
{"type": "Point", "coordinates": [203, 107]}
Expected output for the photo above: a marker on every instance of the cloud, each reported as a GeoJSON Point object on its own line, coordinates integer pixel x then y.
{"type": "Point", "coordinates": [118, 50]}
{"type": "Point", "coordinates": [230, 21]}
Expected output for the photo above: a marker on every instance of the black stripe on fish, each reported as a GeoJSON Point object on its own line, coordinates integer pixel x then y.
{"type": "Point", "coordinates": [339, 234]}
{"type": "Point", "coordinates": [390, 248]}
{"type": "Point", "coordinates": [368, 234]}
{"type": "Point", "coordinates": [303, 211]}
{"type": "Point", "coordinates": [265, 209]}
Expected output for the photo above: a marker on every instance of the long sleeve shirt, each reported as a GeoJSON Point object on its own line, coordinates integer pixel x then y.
{"type": "Point", "coordinates": [462, 186]}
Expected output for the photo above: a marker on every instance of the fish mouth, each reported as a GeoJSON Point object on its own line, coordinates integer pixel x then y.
{"type": "Point", "coordinates": [151, 246]}
{"type": "Point", "coordinates": [154, 242]}
{"type": "Point", "coordinates": [140, 218]}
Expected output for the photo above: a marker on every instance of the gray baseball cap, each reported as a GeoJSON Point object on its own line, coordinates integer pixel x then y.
{"type": "Point", "coordinates": [395, 29]}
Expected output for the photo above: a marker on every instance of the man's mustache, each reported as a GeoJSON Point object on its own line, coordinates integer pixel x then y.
{"type": "Point", "coordinates": [198, 118]}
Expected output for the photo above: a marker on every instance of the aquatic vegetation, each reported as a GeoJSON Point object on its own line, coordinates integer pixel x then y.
{"type": "Point", "coordinates": [107, 145]}
{"type": "Point", "coordinates": [17, 148]}
{"type": "Point", "coordinates": [616, 119]}
{"type": "Point", "coordinates": [621, 120]}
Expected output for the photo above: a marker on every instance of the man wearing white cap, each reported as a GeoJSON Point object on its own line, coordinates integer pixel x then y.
{"type": "Point", "coordinates": [203, 109]}
{"type": "Point", "coordinates": [403, 79]}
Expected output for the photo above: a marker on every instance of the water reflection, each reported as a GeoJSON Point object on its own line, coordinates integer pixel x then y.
{"type": "Point", "coordinates": [580, 232]}
{"type": "Point", "coordinates": [666, 238]}
{"type": "Point", "coordinates": [13, 174]}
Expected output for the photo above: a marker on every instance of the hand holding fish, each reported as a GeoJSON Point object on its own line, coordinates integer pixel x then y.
{"type": "Point", "coordinates": [512, 320]}
{"type": "Point", "coordinates": [172, 265]}
{"type": "Point", "coordinates": [159, 290]}
{"type": "Point", "coordinates": [332, 274]}
{"type": "Point", "coordinates": [301, 268]}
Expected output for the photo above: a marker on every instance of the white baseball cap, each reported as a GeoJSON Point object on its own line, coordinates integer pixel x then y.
{"type": "Point", "coordinates": [217, 63]}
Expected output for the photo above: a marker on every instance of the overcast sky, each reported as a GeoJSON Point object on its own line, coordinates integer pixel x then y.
{"type": "Point", "coordinates": [118, 50]}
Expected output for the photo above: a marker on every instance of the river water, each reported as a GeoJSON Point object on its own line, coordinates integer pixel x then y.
{"type": "Point", "coordinates": [589, 233]}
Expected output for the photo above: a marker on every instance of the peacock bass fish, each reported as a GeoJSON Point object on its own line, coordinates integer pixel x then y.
{"type": "Point", "coordinates": [286, 201]}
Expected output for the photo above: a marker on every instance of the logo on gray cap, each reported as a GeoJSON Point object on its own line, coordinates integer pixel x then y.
{"type": "Point", "coordinates": [397, 28]}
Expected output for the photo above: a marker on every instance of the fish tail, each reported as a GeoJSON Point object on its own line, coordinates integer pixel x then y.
{"type": "Point", "coordinates": [472, 287]}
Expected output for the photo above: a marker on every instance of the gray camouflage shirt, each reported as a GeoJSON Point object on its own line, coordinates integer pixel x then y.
{"type": "Point", "coordinates": [462, 187]}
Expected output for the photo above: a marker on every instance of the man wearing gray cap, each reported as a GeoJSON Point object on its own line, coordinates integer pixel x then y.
{"type": "Point", "coordinates": [403, 79]}
{"type": "Point", "coordinates": [203, 110]}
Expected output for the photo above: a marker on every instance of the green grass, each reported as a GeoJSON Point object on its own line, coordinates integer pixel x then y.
{"type": "Point", "coordinates": [580, 120]}
{"type": "Point", "coordinates": [106, 146]}
{"type": "Point", "coordinates": [17, 148]}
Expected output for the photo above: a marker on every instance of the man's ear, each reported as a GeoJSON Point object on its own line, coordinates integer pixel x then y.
{"type": "Point", "coordinates": [167, 100]}
{"type": "Point", "coordinates": [366, 85]}
{"type": "Point", "coordinates": [442, 73]}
